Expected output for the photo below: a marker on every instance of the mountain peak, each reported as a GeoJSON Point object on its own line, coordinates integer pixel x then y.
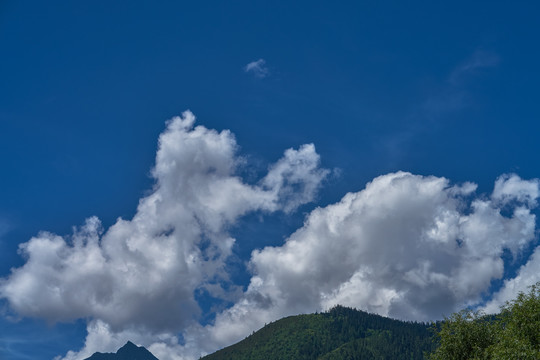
{"type": "Point", "coordinates": [129, 351]}
{"type": "Point", "coordinates": [128, 345]}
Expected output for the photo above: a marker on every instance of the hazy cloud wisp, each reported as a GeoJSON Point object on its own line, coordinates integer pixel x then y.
{"type": "Point", "coordinates": [257, 68]}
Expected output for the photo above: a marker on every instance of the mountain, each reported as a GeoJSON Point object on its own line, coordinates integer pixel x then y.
{"type": "Point", "coordinates": [339, 334]}
{"type": "Point", "coordinates": [130, 351]}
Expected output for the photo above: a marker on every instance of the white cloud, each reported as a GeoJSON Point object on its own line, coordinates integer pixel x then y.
{"type": "Point", "coordinates": [139, 276]}
{"type": "Point", "coordinates": [257, 68]}
{"type": "Point", "coordinates": [511, 187]}
{"type": "Point", "coordinates": [529, 274]}
{"type": "Point", "coordinates": [406, 246]}
{"type": "Point", "coordinates": [296, 177]}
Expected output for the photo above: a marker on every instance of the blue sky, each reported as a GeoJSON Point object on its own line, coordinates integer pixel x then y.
{"type": "Point", "coordinates": [447, 90]}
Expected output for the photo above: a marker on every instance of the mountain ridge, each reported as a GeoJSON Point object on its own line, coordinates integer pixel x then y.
{"type": "Point", "coordinates": [129, 351]}
{"type": "Point", "coordinates": [340, 333]}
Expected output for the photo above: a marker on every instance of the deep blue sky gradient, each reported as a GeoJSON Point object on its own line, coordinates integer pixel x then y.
{"type": "Point", "coordinates": [377, 86]}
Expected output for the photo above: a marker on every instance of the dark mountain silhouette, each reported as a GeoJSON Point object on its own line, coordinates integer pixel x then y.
{"type": "Point", "coordinates": [130, 351]}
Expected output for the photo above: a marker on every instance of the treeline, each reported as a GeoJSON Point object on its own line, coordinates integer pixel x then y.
{"type": "Point", "coordinates": [348, 334]}
{"type": "Point", "coordinates": [341, 333]}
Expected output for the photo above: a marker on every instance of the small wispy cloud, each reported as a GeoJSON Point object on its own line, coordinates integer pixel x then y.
{"type": "Point", "coordinates": [257, 68]}
{"type": "Point", "coordinates": [455, 95]}
{"type": "Point", "coordinates": [479, 60]}
{"type": "Point", "coordinates": [443, 101]}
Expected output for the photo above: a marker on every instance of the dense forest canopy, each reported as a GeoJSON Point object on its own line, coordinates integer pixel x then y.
{"type": "Point", "coordinates": [348, 334]}
{"type": "Point", "coordinates": [341, 333]}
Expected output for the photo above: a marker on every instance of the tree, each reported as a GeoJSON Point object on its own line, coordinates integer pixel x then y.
{"type": "Point", "coordinates": [513, 334]}
{"type": "Point", "coordinates": [519, 328]}
{"type": "Point", "coordinates": [464, 335]}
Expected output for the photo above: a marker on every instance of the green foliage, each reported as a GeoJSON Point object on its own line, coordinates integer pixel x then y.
{"type": "Point", "coordinates": [513, 334]}
{"type": "Point", "coordinates": [465, 335]}
{"type": "Point", "coordinates": [519, 327]}
{"type": "Point", "coordinates": [341, 333]}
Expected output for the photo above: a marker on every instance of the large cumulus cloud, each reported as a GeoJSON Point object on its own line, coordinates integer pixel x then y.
{"type": "Point", "coordinates": [407, 246]}
{"type": "Point", "coordinates": [141, 274]}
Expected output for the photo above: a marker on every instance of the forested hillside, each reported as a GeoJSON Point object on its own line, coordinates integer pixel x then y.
{"type": "Point", "coordinates": [348, 334]}
{"type": "Point", "coordinates": [341, 333]}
